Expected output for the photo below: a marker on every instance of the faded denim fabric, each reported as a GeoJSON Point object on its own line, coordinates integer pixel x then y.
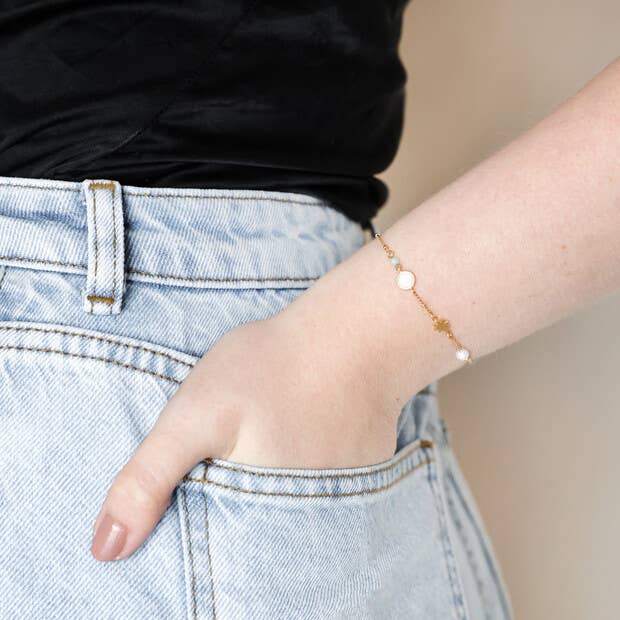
{"type": "Point", "coordinates": [108, 295]}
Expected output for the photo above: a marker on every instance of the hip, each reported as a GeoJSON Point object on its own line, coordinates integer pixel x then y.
{"type": "Point", "coordinates": [108, 297]}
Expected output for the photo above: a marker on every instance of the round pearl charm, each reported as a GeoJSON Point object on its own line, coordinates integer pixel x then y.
{"type": "Point", "coordinates": [462, 355]}
{"type": "Point", "coordinates": [405, 280]}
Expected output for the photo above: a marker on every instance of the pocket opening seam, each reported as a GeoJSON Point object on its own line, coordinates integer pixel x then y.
{"type": "Point", "coordinates": [369, 491]}
{"type": "Point", "coordinates": [210, 464]}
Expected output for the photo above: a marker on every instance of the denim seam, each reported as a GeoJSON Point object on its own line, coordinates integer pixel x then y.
{"type": "Point", "coordinates": [114, 242]}
{"type": "Point", "coordinates": [449, 559]}
{"type": "Point", "coordinates": [423, 444]}
{"type": "Point", "coordinates": [163, 275]}
{"type": "Point", "coordinates": [188, 525]}
{"type": "Point", "coordinates": [470, 557]}
{"type": "Point", "coordinates": [44, 261]}
{"type": "Point", "coordinates": [501, 592]}
{"type": "Point", "coordinates": [225, 197]}
{"type": "Point", "coordinates": [206, 279]}
{"type": "Point", "coordinates": [313, 495]}
{"type": "Point", "coordinates": [45, 187]}
{"type": "Point", "coordinates": [92, 357]}
{"type": "Point", "coordinates": [3, 270]}
{"type": "Point", "coordinates": [96, 244]}
{"type": "Point", "coordinates": [210, 563]}
{"type": "Point", "coordinates": [97, 338]}
{"type": "Point", "coordinates": [188, 196]}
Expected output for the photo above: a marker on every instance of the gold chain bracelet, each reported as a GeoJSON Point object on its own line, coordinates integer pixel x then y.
{"type": "Point", "coordinates": [406, 281]}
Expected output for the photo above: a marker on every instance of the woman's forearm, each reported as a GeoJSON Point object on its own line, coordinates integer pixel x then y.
{"type": "Point", "coordinates": [521, 240]}
{"type": "Point", "coordinates": [524, 238]}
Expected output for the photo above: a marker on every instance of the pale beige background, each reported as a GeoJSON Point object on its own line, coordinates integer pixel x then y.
{"type": "Point", "coordinates": [535, 425]}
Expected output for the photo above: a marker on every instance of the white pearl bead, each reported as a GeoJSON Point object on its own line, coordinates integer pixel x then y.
{"type": "Point", "coordinates": [405, 280]}
{"type": "Point", "coordinates": [462, 355]}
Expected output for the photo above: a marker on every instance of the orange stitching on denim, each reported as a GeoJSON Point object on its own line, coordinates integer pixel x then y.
{"type": "Point", "coordinates": [44, 261]}
{"type": "Point", "coordinates": [207, 535]}
{"type": "Point", "coordinates": [232, 198]}
{"type": "Point", "coordinates": [165, 195]}
{"type": "Point", "coordinates": [92, 357]}
{"type": "Point", "coordinates": [103, 300]}
{"type": "Point", "coordinates": [92, 186]}
{"type": "Point", "coordinates": [99, 338]}
{"type": "Point", "coordinates": [113, 245]}
{"type": "Point", "coordinates": [422, 444]}
{"type": "Point", "coordinates": [45, 187]}
{"type": "Point", "coordinates": [317, 495]}
{"type": "Point", "coordinates": [189, 548]}
{"type": "Point", "coordinates": [102, 185]}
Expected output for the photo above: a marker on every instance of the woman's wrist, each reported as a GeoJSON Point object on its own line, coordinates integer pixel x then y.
{"type": "Point", "coordinates": [519, 241]}
{"type": "Point", "coordinates": [358, 327]}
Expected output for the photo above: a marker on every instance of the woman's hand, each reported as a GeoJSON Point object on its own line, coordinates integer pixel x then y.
{"type": "Point", "coordinates": [266, 395]}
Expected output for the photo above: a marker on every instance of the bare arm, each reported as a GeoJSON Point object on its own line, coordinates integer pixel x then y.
{"type": "Point", "coordinates": [524, 238]}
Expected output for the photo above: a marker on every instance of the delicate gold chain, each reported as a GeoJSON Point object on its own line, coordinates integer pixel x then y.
{"type": "Point", "coordinates": [406, 280]}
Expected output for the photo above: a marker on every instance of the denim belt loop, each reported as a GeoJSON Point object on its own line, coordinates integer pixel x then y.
{"type": "Point", "coordinates": [105, 279]}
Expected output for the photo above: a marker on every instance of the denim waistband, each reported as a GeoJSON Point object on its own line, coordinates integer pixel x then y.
{"type": "Point", "coordinates": [206, 238]}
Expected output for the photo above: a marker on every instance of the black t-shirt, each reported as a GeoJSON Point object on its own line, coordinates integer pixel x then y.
{"type": "Point", "coordinates": [289, 95]}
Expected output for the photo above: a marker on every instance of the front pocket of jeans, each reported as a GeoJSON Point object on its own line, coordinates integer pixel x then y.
{"type": "Point", "coordinates": [361, 543]}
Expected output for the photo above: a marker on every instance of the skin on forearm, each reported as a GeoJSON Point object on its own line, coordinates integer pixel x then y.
{"type": "Point", "coordinates": [523, 239]}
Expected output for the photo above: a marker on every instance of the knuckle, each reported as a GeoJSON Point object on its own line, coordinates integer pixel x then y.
{"type": "Point", "coordinates": [140, 487]}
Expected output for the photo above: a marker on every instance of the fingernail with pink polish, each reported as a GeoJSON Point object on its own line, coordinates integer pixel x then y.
{"type": "Point", "coordinates": [109, 539]}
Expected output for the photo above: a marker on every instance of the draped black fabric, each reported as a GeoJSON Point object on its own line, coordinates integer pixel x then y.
{"type": "Point", "coordinates": [290, 95]}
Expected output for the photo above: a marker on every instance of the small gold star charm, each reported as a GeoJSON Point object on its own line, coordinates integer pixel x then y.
{"type": "Point", "coordinates": [442, 325]}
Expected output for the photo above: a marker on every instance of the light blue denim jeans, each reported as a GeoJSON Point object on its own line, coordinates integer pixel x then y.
{"type": "Point", "coordinates": [108, 296]}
